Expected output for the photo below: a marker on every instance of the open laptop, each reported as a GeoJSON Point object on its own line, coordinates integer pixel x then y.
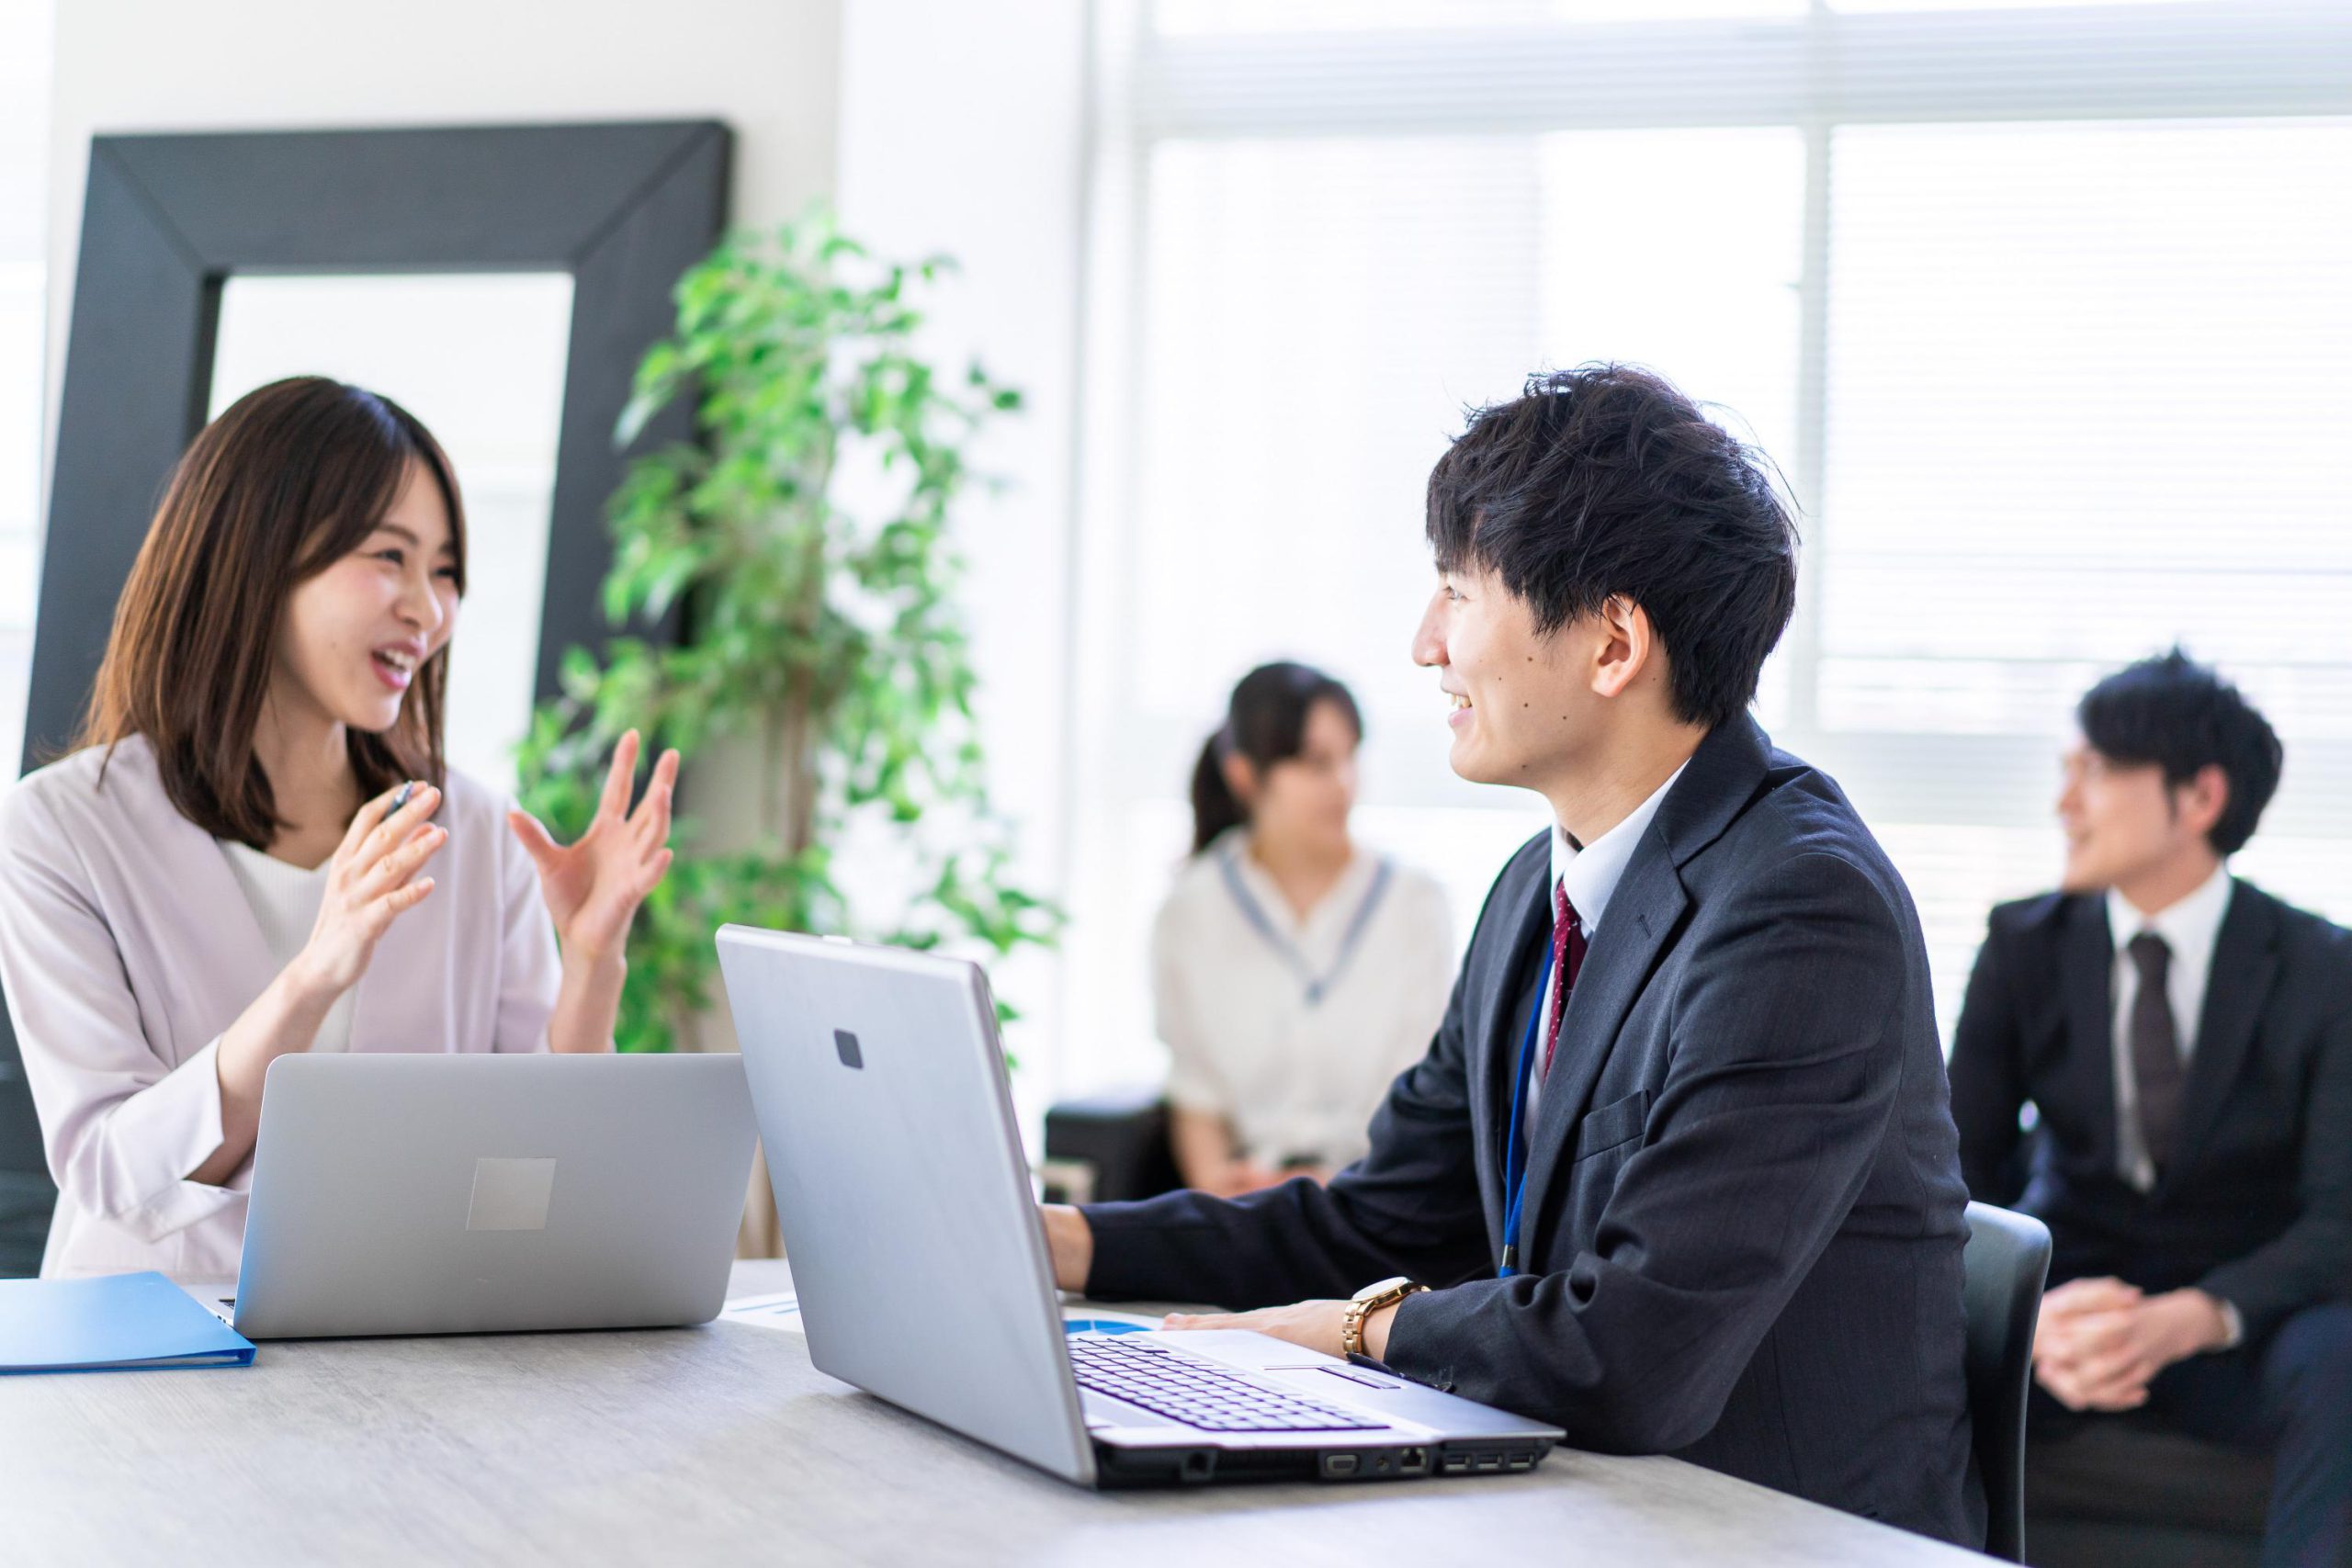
{"type": "Point", "coordinates": [476, 1193]}
{"type": "Point", "coordinates": [924, 1277]}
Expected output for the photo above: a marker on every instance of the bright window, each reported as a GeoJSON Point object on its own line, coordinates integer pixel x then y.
{"type": "Point", "coordinates": [2042, 312]}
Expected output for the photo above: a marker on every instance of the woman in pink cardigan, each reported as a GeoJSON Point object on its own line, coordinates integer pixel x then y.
{"type": "Point", "coordinates": [258, 848]}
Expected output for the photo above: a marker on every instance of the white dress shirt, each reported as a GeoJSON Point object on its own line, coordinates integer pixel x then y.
{"type": "Point", "coordinates": [1296, 1077]}
{"type": "Point", "coordinates": [1590, 875]}
{"type": "Point", "coordinates": [2189, 929]}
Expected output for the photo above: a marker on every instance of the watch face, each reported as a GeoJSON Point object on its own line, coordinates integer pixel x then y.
{"type": "Point", "coordinates": [1374, 1292]}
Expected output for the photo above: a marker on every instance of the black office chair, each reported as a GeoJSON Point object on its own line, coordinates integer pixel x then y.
{"type": "Point", "coordinates": [2007, 1261]}
{"type": "Point", "coordinates": [1116, 1143]}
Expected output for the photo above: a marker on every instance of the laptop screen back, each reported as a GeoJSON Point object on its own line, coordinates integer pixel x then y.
{"type": "Point", "coordinates": [432, 1193]}
{"type": "Point", "coordinates": [901, 1189]}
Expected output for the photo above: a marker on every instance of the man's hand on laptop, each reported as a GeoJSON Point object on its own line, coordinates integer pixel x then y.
{"type": "Point", "coordinates": [1070, 1240]}
{"type": "Point", "coordinates": [1317, 1325]}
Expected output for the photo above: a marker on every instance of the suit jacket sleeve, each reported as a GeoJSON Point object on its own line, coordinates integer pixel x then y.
{"type": "Point", "coordinates": [1987, 1072]}
{"type": "Point", "coordinates": [2310, 1260]}
{"type": "Point", "coordinates": [1409, 1206]}
{"type": "Point", "coordinates": [1785, 1074]}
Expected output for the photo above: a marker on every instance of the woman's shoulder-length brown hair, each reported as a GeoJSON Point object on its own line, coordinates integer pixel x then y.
{"type": "Point", "coordinates": [290, 479]}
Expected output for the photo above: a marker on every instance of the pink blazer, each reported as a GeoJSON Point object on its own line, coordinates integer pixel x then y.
{"type": "Point", "coordinates": [127, 948]}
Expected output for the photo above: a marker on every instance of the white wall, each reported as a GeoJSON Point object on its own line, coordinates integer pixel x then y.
{"type": "Point", "coordinates": [770, 68]}
{"type": "Point", "coordinates": [24, 251]}
{"type": "Point", "coordinates": [963, 130]}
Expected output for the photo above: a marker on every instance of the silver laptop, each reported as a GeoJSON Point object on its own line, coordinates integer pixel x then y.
{"type": "Point", "coordinates": [923, 1274]}
{"type": "Point", "coordinates": [463, 1194]}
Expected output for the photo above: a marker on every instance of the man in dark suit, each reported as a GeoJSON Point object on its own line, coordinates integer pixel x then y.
{"type": "Point", "coordinates": [2187, 1042]}
{"type": "Point", "coordinates": [1677, 1170]}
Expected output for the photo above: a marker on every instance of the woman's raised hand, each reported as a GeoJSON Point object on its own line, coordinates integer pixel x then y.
{"type": "Point", "coordinates": [372, 882]}
{"type": "Point", "coordinates": [593, 885]}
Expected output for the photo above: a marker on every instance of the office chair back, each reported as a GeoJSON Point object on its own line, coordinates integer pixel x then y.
{"type": "Point", "coordinates": [2006, 1264]}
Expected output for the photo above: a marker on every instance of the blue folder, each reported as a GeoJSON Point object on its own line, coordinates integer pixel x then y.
{"type": "Point", "coordinates": [114, 1322]}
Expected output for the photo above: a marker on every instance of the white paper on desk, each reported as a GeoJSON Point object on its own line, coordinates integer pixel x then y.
{"type": "Point", "coordinates": [781, 1310]}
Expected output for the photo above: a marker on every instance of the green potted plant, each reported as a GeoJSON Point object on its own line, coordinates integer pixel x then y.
{"type": "Point", "coordinates": [804, 540]}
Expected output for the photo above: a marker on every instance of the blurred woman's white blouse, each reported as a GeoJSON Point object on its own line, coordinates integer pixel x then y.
{"type": "Point", "coordinates": [128, 946]}
{"type": "Point", "coordinates": [1292, 1028]}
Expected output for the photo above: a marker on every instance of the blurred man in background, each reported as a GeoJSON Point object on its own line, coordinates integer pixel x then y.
{"type": "Point", "coordinates": [2186, 1039]}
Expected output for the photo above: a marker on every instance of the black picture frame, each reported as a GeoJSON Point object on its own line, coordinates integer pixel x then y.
{"type": "Point", "coordinates": [624, 208]}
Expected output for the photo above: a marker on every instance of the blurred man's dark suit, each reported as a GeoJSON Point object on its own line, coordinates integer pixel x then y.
{"type": "Point", "coordinates": [2254, 1205]}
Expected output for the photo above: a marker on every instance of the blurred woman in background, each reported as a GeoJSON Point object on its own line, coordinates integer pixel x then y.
{"type": "Point", "coordinates": [1295, 974]}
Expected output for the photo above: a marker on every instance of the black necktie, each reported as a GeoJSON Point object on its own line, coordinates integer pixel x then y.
{"type": "Point", "coordinates": [2155, 1048]}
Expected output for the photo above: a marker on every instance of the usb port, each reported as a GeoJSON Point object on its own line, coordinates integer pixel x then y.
{"type": "Point", "coordinates": [1490, 1462]}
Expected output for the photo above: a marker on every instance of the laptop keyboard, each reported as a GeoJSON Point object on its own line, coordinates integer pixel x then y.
{"type": "Point", "coordinates": [1197, 1394]}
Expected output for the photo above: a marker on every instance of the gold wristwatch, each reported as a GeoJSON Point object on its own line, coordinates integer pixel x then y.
{"type": "Point", "coordinates": [1366, 1301]}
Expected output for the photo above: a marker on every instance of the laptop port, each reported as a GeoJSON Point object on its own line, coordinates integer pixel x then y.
{"type": "Point", "coordinates": [1414, 1461]}
{"type": "Point", "coordinates": [1489, 1461]}
{"type": "Point", "coordinates": [1457, 1464]}
{"type": "Point", "coordinates": [1337, 1465]}
{"type": "Point", "coordinates": [1522, 1462]}
{"type": "Point", "coordinates": [1199, 1465]}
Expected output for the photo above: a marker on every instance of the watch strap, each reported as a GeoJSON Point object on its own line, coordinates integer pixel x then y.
{"type": "Point", "coordinates": [1352, 1321]}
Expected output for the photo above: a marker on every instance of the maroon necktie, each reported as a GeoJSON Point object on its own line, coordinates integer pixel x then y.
{"type": "Point", "coordinates": [1568, 957]}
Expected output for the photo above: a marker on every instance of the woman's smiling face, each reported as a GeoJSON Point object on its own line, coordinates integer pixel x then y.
{"type": "Point", "coordinates": [355, 635]}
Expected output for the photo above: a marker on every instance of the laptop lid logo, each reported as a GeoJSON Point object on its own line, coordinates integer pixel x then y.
{"type": "Point", "coordinates": [511, 1195]}
{"type": "Point", "coordinates": [846, 1044]}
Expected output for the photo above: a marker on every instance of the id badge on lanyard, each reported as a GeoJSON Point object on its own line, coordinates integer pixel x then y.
{"type": "Point", "coordinates": [1514, 1150]}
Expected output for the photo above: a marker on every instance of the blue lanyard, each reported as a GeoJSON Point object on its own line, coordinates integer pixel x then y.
{"type": "Point", "coordinates": [1514, 1156]}
{"type": "Point", "coordinates": [1314, 986]}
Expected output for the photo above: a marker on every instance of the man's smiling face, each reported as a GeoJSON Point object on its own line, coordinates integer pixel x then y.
{"type": "Point", "coordinates": [1516, 712]}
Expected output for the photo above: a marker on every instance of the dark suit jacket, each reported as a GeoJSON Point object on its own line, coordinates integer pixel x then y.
{"type": "Point", "coordinates": [1744, 1215]}
{"type": "Point", "coordinates": [2256, 1205]}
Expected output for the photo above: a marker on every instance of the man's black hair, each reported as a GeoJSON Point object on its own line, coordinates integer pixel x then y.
{"type": "Point", "coordinates": [2182, 717]}
{"type": "Point", "coordinates": [1606, 481]}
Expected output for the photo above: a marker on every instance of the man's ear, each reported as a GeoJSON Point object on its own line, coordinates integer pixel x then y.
{"type": "Point", "coordinates": [2200, 802]}
{"type": "Point", "coordinates": [1627, 646]}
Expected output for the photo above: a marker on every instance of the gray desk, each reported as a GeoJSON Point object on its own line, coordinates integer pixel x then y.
{"type": "Point", "coordinates": [723, 1445]}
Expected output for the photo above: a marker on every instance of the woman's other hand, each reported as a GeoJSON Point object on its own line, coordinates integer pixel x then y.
{"type": "Point", "coordinates": [593, 885]}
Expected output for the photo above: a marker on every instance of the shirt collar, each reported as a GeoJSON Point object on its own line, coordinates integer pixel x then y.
{"type": "Point", "coordinates": [1592, 873]}
{"type": "Point", "coordinates": [1344, 894]}
{"type": "Point", "coordinates": [2190, 926]}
